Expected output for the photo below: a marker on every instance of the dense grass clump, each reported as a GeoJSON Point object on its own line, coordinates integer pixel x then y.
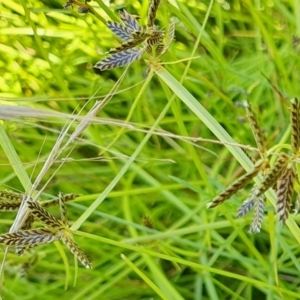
{"type": "Point", "coordinates": [145, 144]}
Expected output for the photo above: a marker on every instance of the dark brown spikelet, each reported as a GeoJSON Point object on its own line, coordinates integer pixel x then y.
{"type": "Point", "coordinates": [28, 222]}
{"type": "Point", "coordinates": [30, 237]}
{"type": "Point", "coordinates": [130, 21]}
{"type": "Point", "coordinates": [41, 214]}
{"type": "Point", "coordinates": [147, 221]}
{"type": "Point", "coordinates": [237, 185]}
{"type": "Point", "coordinates": [273, 174]}
{"type": "Point", "coordinates": [156, 38]}
{"type": "Point", "coordinates": [63, 209]}
{"type": "Point", "coordinates": [10, 195]}
{"type": "Point", "coordinates": [12, 205]}
{"type": "Point", "coordinates": [154, 43]}
{"type": "Point", "coordinates": [258, 214]}
{"type": "Point", "coordinates": [20, 250]}
{"type": "Point", "coordinates": [248, 204]}
{"type": "Point", "coordinates": [295, 123]}
{"type": "Point", "coordinates": [55, 201]}
{"type": "Point", "coordinates": [285, 192]}
{"type": "Point", "coordinates": [256, 130]}
{"type": "Point", "coordinates": [122, 32]}
{"type": "Point", "coordinates": [153, 6]}
{"type": "Point", "coordinates": [138, 38]}
{"type": "Point", "coordinates": [75, 250]}
{"type": "Point", "coordinates": [119, 59]}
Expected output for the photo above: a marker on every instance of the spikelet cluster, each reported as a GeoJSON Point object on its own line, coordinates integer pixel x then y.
{"type": "Point", "coordinates": [56, 229]}
{"type": "Point", "coordinates": [136, 40]}
{"type": "Point", "coordinates": [281, 176]}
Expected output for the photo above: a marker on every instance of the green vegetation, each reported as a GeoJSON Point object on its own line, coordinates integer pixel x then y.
{"type": "Point", "coordinates": [167, 138]}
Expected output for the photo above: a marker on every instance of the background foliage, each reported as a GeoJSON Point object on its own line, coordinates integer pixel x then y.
{"type": "Point", "coordinates": [188, 252]}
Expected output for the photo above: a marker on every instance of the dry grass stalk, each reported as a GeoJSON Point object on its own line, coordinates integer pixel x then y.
{"type": "Point", "coordinates": [285, 192]}
{"type": "Point", "coordinates": [237, 185]}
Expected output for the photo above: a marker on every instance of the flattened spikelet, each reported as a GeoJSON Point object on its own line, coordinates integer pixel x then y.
{"type": "Point", "coordinates": [67, 197]}
{"type": "Point", "coordinates": [285, 192]}
{"type": "Point", "coordinates": [77, 252]}
{"type": "Point", "coordinates": [153, 6]}
{"type": "Point", "coordinates": [10, 195]}
{"type": "Point", "coordinates": [258, 214]}
{"type": "Point", "coordinates": [63, 209]}
{"type": "Point", "coordinates": [41, 214]}
{"type": "Point", "coordinates": [155, 38]}
{"type": "Point", "coordinates": [130, 21]}
{"type": "Point", "coordinates": [122, 32]}
{"type": "Point", "coordinates": [248, 204]}
{"type": "Point", "coordinates": [237, 185]}
{"type": "Point", "coordinates": [148, 222]}
{"type": "Point", "coordinates": [20, 250]}
{"type": "Point", "coordinates": [295, 123]}
{"type": "Point", "coordinates": [29, 237]}
{"type": "Point", "coordinates": [119, 59]}
{"type": "Point", "coordinates": [257, 132]}
{"type": "Point", "coordinates": [28, 222]}
{"type": "Point", "coordinates": [273, 173]}
{"type": "Point", "coordinates": [137, 39]}
{"type": "Point", "coordinates": [170, 36]}
{"type": "Point", "coordinates": [12, 205]}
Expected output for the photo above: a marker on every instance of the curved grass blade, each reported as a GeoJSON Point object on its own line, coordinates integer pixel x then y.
{"type": "Point", "coordinates": [130, 21]}
{"type": "Point", "coordinates": [41, 214]}
{"type": "Point", "coordinates": [119, 59]}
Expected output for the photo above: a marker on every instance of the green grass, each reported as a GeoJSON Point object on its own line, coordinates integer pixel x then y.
{"type": "Point", "coordinates": [163, 146]}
